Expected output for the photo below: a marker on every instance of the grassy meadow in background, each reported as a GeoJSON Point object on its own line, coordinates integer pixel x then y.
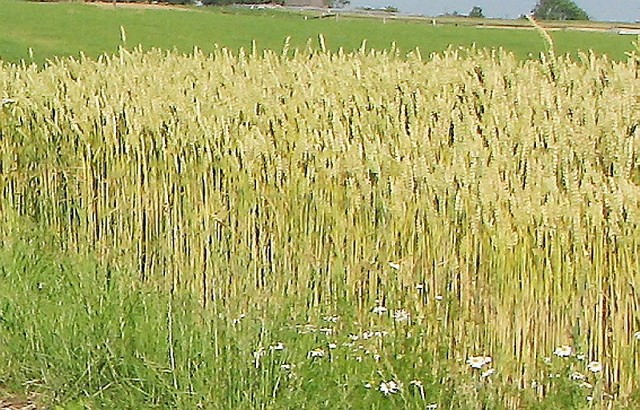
{"type": "Point", "coordinates": [320, 229]}
{"type": "Point", "coordinates": [70, 28]}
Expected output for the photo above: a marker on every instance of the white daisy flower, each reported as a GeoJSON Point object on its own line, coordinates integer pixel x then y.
{"type": "Point", "coordinates": [390, 387]}
{"type": "Point", "coordinates": [380, 310]}
{"type": "Point", "coordinates": [577, 376]}
{"type": "Point", "coordinates": [563, 351]}
{"type": "Point", "coordinates": [594, 367]}
{"type": "Point", "coordinates": [401, 315]}
{"type": "Point", "coordinates": [477, 362]}
{"type": "Point", "coordinates": [488, 373]}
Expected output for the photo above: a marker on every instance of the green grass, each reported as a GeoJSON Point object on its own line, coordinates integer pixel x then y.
{"type": "Point", "coordinates": [77, 335]}
{"type": "Point", "coordinates": [70, 28]}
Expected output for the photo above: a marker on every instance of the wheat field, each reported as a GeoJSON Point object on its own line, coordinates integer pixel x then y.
{"type": "Point", "coordinates": [485, 208]}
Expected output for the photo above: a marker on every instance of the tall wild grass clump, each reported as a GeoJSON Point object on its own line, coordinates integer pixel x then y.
{"type": "Point", "coordinates": [483, 211]}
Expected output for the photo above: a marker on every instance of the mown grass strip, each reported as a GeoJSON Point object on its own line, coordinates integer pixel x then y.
{"type": "Point", "coordinates": [67, 29]}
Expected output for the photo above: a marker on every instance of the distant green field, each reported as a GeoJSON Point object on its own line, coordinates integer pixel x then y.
{"type": "Point", "coordinates": [70, 28]}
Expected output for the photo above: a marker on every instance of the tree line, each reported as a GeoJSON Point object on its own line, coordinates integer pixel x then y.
{"type": "Point", "coordinates": [543, 9]}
